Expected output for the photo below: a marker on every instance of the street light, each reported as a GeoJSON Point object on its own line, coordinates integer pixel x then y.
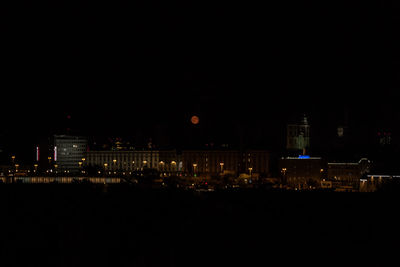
{"type": "Point", "coordinates": [222, 166]}
{"type": "Point", "coordinates": [250, 171]}
{"type": "Point", "coordinates": [173, 163]}
{"type": "Point", "coordinates": [114, 164]}
{"type": "Point", "coordinates": [105, 168]}
{"type": "Point", "coordinates": [284, 175]}
{"type": "Point", "coordinates": [194, 168]}
{"type": "Point", "coordinates": [162, 165]}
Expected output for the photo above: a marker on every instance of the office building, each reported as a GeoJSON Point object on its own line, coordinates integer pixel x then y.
{"type": "Point", "coordinates": [68, 153]}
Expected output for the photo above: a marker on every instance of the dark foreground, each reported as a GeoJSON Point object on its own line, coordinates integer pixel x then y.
{"type": "Point", "coordinates": [86, 225]}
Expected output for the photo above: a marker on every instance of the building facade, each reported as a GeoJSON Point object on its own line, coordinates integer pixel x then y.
{"type": "Point", "coordinates": [217, 162]}
{"type": "Point", "coordinates": [255, 161]}
{"type": "Point", "coordinates": [189, 162]}
{"type": "Point", "coordinates": [348, 173]}
{"type": "Point", "coordinates": [302, 172]}
{"type": "Point", "coordinates": [135, 160]}
{"type": "Point", "coordinates": [208, 162]}
{"type": "Point", "coordinates": [68, 152]}
{"type": "Point", "coordinates": [374, 182]}
{"type": "Point", "coordinates": [306, 172]}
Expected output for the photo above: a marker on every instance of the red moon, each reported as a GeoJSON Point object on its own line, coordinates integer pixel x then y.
{"type": "Point", "coordinates": [195, 120]}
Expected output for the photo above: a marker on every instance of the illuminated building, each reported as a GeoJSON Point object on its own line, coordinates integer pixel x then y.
{"type": "Point", "coordinates": [348, 173]}
{"type": "Point", "coordinates": [118, 143]}
{"type": "Point", "coordinates": [209, 162]}
{"type": "Point", "coordinates": [298, 136]}
{"type": "Point", "coordinates": [134, 160]}
{"type": "Point", "coordinates": [62, 179]}
{"type": "Point", "coordinates": [68, 152]}
{"type": "Point", "coordinates": [215, 162]}
{"type": "Point", "coordinates": [302, 172]}
{"type": "Point", "coordinates": [305, 172]}
{"type": "Point", "coordinates": [371, 183]}
{"type": "Point", "coordinates": [256, 162]}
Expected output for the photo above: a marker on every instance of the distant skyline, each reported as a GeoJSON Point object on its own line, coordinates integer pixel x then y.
{"type": "Point", "coordinates": [126, 68]}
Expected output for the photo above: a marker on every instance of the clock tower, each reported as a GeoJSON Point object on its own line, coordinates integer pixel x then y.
{"type": "Point", "coordinates": [298, 136]}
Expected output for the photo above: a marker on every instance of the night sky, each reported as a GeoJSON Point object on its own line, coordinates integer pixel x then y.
{"type": "Point", "coordinates": [244, 68]}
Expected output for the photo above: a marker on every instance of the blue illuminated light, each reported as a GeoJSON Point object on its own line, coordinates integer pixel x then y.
{"type": "Point", "coordinates": [304, 157]}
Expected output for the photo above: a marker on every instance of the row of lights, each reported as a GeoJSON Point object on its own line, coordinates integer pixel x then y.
{"type": "Point", "coordinates": [284, 170]}
{"type": "Point", "coordinates": [84, 159]}
{"type": "Point", "coordinates": [144, 162]}
{"type": "Point", "coordinates": [133, 162]}
{"type": "Point", "coordinates": [37, 165]}
{"type": "Point", "coordinates": [221, 164]}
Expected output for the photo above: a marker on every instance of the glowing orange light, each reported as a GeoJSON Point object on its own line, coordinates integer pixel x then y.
{"type": "Point", "coordinates": [195, 120]}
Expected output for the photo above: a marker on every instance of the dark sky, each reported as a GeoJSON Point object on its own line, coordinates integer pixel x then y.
{"type": "Point", "coordinates": [123, 68]}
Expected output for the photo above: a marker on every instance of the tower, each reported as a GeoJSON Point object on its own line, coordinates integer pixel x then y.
{"type": "Point", "coordinates": [298, 136]}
